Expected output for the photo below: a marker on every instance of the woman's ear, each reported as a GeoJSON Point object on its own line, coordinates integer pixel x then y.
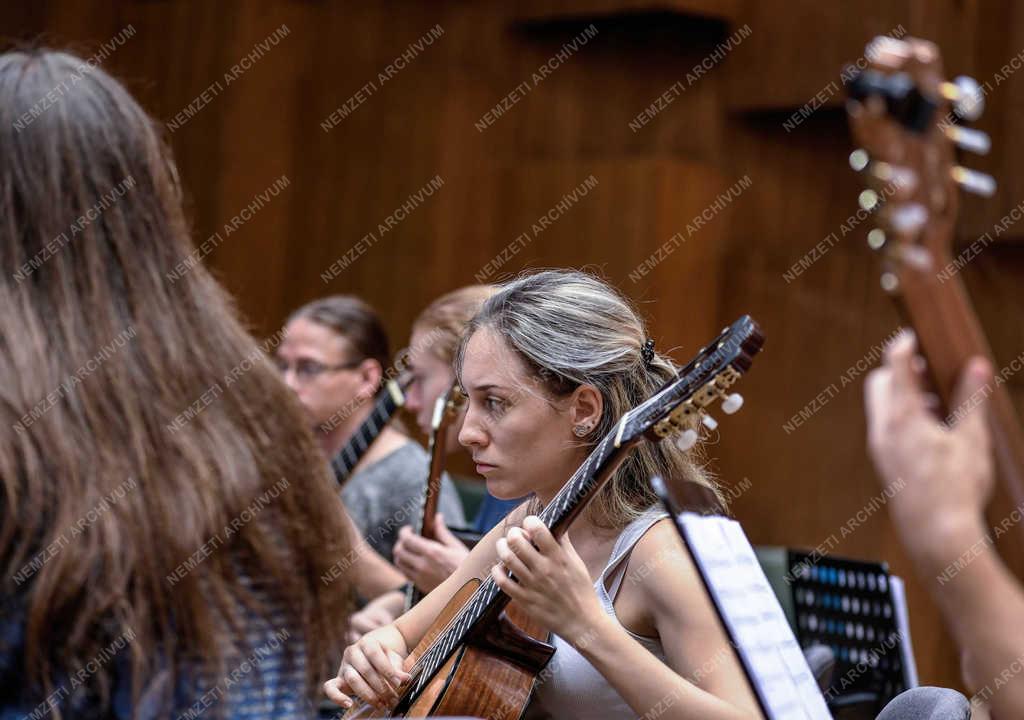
{"type": "Point", "coordinates": [585, 407]}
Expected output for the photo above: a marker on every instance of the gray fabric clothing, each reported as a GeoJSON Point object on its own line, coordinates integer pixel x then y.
{"type": "Point", "coordinates": [927, 703]}
{"type": "Point", "coordinates": [573, 689]}
{"type": "Point", "coordinates": [388, 494]}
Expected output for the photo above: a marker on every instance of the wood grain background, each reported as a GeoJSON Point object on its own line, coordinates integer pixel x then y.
{"type": "Point", "coordinates": [733, 121]}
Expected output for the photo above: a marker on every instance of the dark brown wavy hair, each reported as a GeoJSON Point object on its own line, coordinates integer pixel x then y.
{"type": "Point", "coordinates": [150, 455]}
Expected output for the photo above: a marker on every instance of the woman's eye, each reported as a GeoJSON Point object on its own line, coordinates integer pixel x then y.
{"type": "Point", "coordinates": [495, 405]}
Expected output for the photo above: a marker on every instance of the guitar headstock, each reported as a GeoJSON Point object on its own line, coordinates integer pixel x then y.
{"type": "Point", "coordinates": [447, 408]}
{"type": "Point", "coordinates": [902, 114]}
{"type": "Point", "coordinates": [681, 406]}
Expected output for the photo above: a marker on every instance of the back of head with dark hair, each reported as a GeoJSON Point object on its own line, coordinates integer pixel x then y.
{"type": "Point", "coordinates": [353, 319]}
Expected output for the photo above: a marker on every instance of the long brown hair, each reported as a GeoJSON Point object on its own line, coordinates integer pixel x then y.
{"type": "Point", "coordinates": [150, 455]}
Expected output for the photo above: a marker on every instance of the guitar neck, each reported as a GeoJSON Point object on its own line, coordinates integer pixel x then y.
{"type": "Point", "coordinates": [426, 527]}
{"type": "Point", "coordinates": [897, 110]}
{"type": "Point", "coordinates": [488, 601]}
{"type": "Point", "coordinates": [949, 333]}
{"type": "Point", "coordinates": [598, 468]}
{"type": "Point", "coordinates": [389, 399]}
{"type": "Point", "coordinates": [432, 492]}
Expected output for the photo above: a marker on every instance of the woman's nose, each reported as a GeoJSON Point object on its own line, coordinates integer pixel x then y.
{"type": "Point", "coordinates": [472, 432]}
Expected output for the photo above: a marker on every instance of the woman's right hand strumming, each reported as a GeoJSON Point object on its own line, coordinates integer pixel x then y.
{"type": "Point", "coordinates": [371, 669]}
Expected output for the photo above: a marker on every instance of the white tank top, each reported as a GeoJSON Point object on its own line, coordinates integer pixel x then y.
{"type": "Point", "coordinates": [569, 688]}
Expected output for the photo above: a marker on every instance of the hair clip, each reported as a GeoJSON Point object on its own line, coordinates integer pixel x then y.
{"type": "Point", "coordinates": [647, 352]}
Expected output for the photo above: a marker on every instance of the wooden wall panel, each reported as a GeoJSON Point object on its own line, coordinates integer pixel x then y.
{"type": "Point", "coordinates": [538, 9]}
{"type": "Point", "coordinates": [824, 329]}
{"type": "Point", "coordinates": [652, 180]}
{"type": "Point", "coordinates": [796, 49]}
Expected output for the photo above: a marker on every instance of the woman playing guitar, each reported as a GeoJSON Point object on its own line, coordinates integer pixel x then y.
{"type": "Point", "coordinates": [549, 364]}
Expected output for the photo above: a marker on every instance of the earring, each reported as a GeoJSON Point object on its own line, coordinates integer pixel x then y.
{"type": "Point", "coordinates": [581, 430]}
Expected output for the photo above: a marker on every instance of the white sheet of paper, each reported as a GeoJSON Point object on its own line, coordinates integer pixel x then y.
{"type": "Point", "coordinates": [754, 619]}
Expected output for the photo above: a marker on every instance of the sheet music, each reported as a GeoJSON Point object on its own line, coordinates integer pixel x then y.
{"type": "Point", "coordinates": [773, 660]}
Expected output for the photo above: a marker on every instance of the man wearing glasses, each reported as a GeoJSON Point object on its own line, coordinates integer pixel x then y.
{"type": "Point", "coordinates": [333, 355]}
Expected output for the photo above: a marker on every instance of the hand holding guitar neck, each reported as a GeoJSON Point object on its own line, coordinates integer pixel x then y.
{"type": "Point", "coordinates": [902, 114]}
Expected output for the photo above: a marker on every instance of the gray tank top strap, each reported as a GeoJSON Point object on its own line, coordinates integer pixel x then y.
{"type": "Point", "coordinates": [575, 690]}
{"type": "Point", "coordinates": [614, 572]}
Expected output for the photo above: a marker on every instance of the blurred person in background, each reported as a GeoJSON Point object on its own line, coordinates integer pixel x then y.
{"type": "Point", "coordinates": [427, 562]}
{"type": "Point", "coordinates": [334, 355]}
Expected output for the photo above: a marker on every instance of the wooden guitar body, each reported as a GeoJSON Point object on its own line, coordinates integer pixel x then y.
{"type": "Point", "coordinates": [492, 676]}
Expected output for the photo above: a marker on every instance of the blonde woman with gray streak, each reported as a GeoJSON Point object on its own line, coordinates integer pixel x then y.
{"type": "Point", "coordinates": [550, 363]}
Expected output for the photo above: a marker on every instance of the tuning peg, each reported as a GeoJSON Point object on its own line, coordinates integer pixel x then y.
{"type": "Point", "coordinates": [876, 239]}
{"type": "Point", "coordinates": [917, 257]}
{"type": "Point", "coordinates": [687, 439]}
{"type": "Point", "coordinates": [908, 218]}
{"type": "Point", "coordinates": [973, 181]}
{"type": "Point", "coordinates": [709, 422]}
{"type": "Point", "coordinates": [732, 403]}
{"type": "Point", "coordinates": [974, 141]}
{"type": "Point", "coordinates": [890, 283]}
{"type": "Point", "coordinates": [859, 159]}
{"type": "Point", "coordinates": [868, 199]}
{"type": "Point", "coordinates": [966, 95]}
{"type": "Point", "coordinates": [658, 485]}
{"type": "Point", "coordinates": [883, 171]}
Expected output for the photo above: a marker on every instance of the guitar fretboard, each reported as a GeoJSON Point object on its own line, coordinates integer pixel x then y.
{"type": "Point", "coordinates": [384, 408]}
{"type": "Point", "coordinates": [432, 488]}
{"type": "Point", "coordinates": [488, 598]}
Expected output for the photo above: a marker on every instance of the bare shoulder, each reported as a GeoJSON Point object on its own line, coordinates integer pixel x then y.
{"type": "Point", "coordinates": [663, 570]}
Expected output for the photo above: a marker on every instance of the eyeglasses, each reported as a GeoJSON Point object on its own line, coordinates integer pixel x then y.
{"type": "Point", "coordinates": [307, 370]}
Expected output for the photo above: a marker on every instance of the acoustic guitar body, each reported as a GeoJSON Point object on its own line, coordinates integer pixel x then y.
{"type": "Point", "coordinates": [491, 676]}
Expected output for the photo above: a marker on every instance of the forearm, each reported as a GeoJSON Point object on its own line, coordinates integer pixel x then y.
{"type": "Point", "coordinates": [375, 575]}
{"type": "Point", "coordinates": [648, 685]}
{"type": "Point", "coordinates": [983, 605]}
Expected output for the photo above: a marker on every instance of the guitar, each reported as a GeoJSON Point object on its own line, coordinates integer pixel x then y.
{"type": "Point", "coordinates": [481, 655]}
{"type": "Point", "coordinates": [900, 114]}
{"type": "Point", "coordinates": [390, 398]}
{"type": "Point", "coordinates": [446, 410]}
